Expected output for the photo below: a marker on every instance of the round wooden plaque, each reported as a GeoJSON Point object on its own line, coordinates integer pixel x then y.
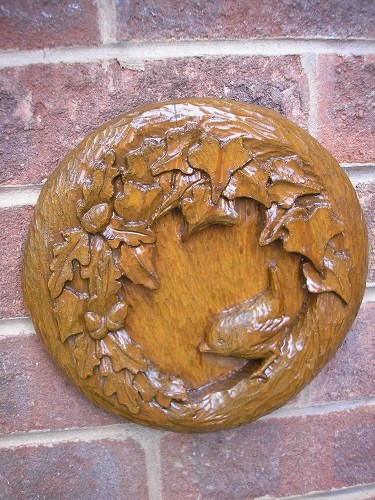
{"type": "Point", "coordinates": [191, 265]}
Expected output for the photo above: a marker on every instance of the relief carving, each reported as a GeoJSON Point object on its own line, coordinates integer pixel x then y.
{"type": "Point", "coordinates": [202, 164]}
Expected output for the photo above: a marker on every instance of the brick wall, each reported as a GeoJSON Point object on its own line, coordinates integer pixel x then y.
{"type": "Point", "coordinates": [65, 67]}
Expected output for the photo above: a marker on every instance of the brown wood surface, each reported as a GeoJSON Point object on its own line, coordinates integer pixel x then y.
{"type": "Point", "coordinates": [193, 264]}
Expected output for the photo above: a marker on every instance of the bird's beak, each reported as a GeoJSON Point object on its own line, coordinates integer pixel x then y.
{"type": "Point", "coordinates": [203, 347]}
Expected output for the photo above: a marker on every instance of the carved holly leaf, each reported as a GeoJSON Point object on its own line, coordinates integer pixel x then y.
{"type": "Point", "coordinates": [85, 355]}
{"type": "Point", "coordinates": [220, 159]}
{"type": "Point", "coordinates": [138, 202]}
{"type": "Point", "coordinates": [124, 353]}
{"type": "Point", "coordinates": [178, 142]}
{"type": "Point", "coordinates": [285, 193]}
{"type": "Point", "coordinates": [335, 276]}
{"type": "Point", "coordinates": [273, 228]}
{"type": "Point", "coordinates": [131, 234]}
{"type": "Point", "coordinates": [121, 384]}
{"type": "Point", "coordinates": [264, 151]}
{"type": "Point", "coordinates": [200, 212]}
{"type": "Point", "coordinates": [69, 310]}
{"type": "Point", "coordinates": [250, 182]}
{"type": "Point", "coordinates": [136, 263]}
{"type": "Point", "coordinates": [305, 228]}
{"type": "Point", "coordinates": [290, 168]}
{"type": "Point", "coordinates": [75, 247]}
{"type": "Point", "coordinates": [268, 179]}
{"type": "Point", "coordinates": [290, 180]}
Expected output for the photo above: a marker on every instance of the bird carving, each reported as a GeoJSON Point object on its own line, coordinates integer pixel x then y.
{"type": "Point", "coordinates": [254, 328]}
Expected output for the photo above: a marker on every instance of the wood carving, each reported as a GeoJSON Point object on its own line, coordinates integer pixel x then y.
{"type": "Point", "coordinates": [193, 264]}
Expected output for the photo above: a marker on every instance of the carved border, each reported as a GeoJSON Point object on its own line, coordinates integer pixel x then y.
{"type": "Point", "coordinates": [170, 167]}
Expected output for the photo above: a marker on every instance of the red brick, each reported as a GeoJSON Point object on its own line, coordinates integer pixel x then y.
{"type": "Point", "coordinates": [243, 463]}
{"type": "Point", "coordinates": [366, 195]}
{"type": "Point", "coordinates": [13, 228]}
{"type": "Point", "coordinates": [40, 24]}
{"type": "Point", "coordinates": [170, 19]}
{"type": "Point", "coordinates": [47, 109]}
{"type": "Point", "coordinates": [350, 374]}
{"type": "Point", "coordinates": [317, 451]}
{"type": "Point", "coordinates": [345, 106]}
{"type": "Point", "coordinates": [102, 469]}
{"type": "Point", "coordinates": [36, 395]}
{"type": "Point", "coordinates": [275, 457]}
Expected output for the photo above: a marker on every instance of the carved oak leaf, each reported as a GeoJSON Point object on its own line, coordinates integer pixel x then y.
{"type": "Point", "coordinates": [163, 388]}
{"type": "Point", "coordinates": [138, 202]}
{"type": "Point", "coordinates": [69, 310]}
{"type": "Point", "coordinates": [132, 234]}
{"type": "Point", "coordinates": [220, 159]}
{"type": "Point", "coordinates": [136, 263]}
{"type": "Point", "coordinates": [75, 247]}
{"type": "Point", "coordinates": [174, 185]}
{"type": "Point", "coordinates": [250, 182]}
{"type": "Point", "coordinates": [98, 246]}
{"type": "Point", "coordinates": [121, 384]}
{"type": "Point", "coordinates": [124, 353]}
{"type": "Point", "coordinates": [200, 212]}
{"type": "Point", "coordinates": [138, 162]}
{"type": "Point", "coordinates": [85, 355]}
{"type": "Point", "coordinates": [99, 188]}
{"type": "Point", "coordinates": [335, 276]}
{"type": "Point", "coordinates": [305, 228]}
{"type": "Point", "coordinates": [144, 387]}
{"type": "Point", "coordinates": [178, 142]}
{"type": "Point", "coordinates": [105, 285]}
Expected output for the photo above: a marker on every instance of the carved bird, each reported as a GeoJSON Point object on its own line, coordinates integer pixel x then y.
{"type": "Point", "coordinates": [254, 328]}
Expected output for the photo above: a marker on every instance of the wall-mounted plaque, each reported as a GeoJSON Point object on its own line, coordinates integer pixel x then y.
{"type": "Point", "coordinates": [191, 265]}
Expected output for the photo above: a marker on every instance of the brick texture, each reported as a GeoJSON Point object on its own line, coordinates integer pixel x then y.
{"type": "Point", "coordinates": [349, 375]}
{"type": "Point", "coordinates": [47, 109]}
{"type": "Point", "coordinates": [366, 195]}
{"type": "Point", "coordinates": [39, 24]}
{"type": "Point", "coordinates": [275, 457]}
{"type": "Point", "coordinates": [101, 469]}
{"type": "Point", "coordinates": [13, 229]}
{"type": "Point", "coordinates": [170, 19]}
{"type": "Point", "coordinates": [34, 394]}
{"type": "Point", "coordinates": [346, 119]}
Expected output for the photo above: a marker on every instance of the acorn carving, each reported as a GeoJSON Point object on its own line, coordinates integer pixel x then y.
{"type": "Point", "coordinates": [254, 328]}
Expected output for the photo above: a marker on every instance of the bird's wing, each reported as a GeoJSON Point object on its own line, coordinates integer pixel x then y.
{"type": "Point", "coordinates": [274, 324]}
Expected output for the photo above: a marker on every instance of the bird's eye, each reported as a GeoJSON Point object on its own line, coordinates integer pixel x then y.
{"type": "Point", "coordinates": [220, 341]}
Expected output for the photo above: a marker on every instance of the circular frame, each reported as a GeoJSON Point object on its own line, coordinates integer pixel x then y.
{"type": "Point", "coordinates": [92, 232]}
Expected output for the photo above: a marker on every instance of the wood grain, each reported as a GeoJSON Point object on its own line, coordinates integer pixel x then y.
{"type": "Point", "coordinates": [191, 265]}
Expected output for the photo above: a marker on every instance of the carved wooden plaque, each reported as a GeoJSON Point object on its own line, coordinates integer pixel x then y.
{"type": "Point", "coordinates": [192, 265]}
